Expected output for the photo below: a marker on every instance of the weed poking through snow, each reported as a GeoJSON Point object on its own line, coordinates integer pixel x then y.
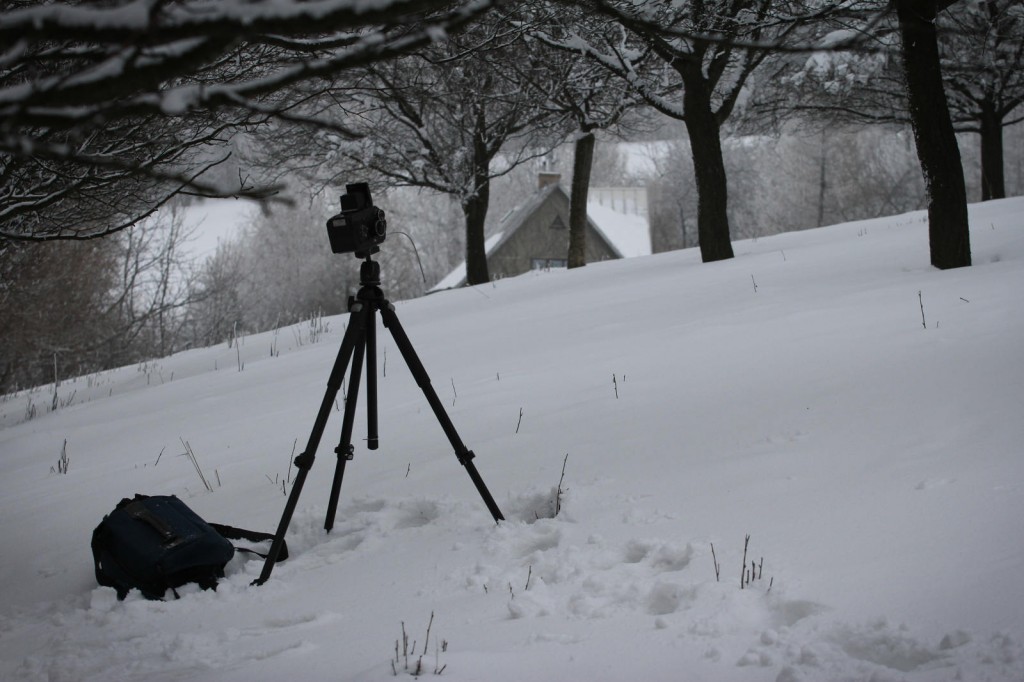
{"type": "Point", "coordinates": [753, 571]}
{"type": "Point", "coordinates": [748, 572]}
{"type": "Point", "coordinates": [62, 463]}
{"type": "Point", "coordinates": [404, 652]}
{"type": "Point", "coordinates": [192, 458]}
{"type": "Point", "coordinates": [560, 491]}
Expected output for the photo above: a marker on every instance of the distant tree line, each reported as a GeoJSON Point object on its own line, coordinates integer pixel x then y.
{"type": "Point", "coordinates": [69, 307]}
{"type": "Point", "coordinates": [72, 307]}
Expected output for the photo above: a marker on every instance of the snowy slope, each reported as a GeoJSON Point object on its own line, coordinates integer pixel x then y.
{"type": "Point", "coordinates": [791, 394]}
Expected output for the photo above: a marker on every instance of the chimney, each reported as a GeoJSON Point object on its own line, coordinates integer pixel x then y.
{"type": "Point", "coordinates": [547, 178]}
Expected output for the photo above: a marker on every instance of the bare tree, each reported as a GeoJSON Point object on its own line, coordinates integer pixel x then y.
{"type": "Point", "coordinates": [798, 180]}
{"type": "Point", "coordinates": [290, 273]}
{"type": "Point", "coordinates": [105, 113]}
{"type": "Point", "coordinates": [949, 236]}
{"type": "Point", "coordinates": [899, 79]}
{"type": "Point", "coordinates": [981, 52]}
{"type": "Point", "coordinates": [68, 308]}
{"type": "Point", "coordinates": [448, 119]}
{"type": "Point", "coordinates": [54, 304]}
{"type": "Point", "coordinates": [153, 287]}
{"type": "Point", "coordinates": [703, 52]}
{"type": "Point", "coordinates": [218, 308]}
{"type": "Point", "coordinates": [982, 45]}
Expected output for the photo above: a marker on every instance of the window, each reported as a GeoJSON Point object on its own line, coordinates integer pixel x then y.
{"type": "Point", "coordinates": [548, 263]}
{"type": "Point", "coordinates": [557, 223]}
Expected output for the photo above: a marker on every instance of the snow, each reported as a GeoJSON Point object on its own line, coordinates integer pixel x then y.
{"type": "Point", "coordinates": [791, 394]}
{"type": "Point", "coordinates": [128, 16]}
{"type": "Point", "coordinates": [139, 14]}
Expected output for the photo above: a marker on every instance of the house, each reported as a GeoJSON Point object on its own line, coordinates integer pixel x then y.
{"type": "Point", "coordinates": [535, 234]}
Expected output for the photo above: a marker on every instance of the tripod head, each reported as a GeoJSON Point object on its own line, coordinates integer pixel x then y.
{"type": "Point", "coordinates": [369, 273]}
{"type": "Point", "coordinates": [370, 292]}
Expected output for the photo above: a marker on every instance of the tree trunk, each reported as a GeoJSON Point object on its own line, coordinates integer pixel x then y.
{"type": "Point", "coordinates": [993, 184]}
{"type": "Point", "coordinates": [948, 230]}
{"type": "Point", "coordinates": [822, 179]}
{"type": "Point", "coordinates": [708, 168]}
{"type": "Point", "coordinates": [583, 161]}
{"type": "Point", "coordinates": [682, 224]}
{"type": "Point", "coordinates": [475, 211]}
{"type": "Point", "coordinates": [474, 208]}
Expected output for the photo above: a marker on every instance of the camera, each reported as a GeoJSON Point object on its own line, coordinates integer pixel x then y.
{"type": "Point", "coordinates": [360, 226]}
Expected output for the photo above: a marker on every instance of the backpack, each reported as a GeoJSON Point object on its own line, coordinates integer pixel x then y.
{"type": "Point", "coordinates": [157, 543]}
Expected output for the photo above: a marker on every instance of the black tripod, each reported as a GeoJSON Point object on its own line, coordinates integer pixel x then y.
{"type": "Point", "coordinates": [362, 334]}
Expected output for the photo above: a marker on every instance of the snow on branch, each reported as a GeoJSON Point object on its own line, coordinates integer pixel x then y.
{"type": "Point", "coordinates": [155, 22]}
{"type": "Point", "coordinates": [645, 17]}
{"type": "Point", "coordinates": [123, 61]}
{"type": "Point", "coordinates": [78, 80]}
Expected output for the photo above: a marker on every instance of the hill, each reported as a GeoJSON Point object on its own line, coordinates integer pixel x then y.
{"type": "Point", "coordinates": [827, 393]}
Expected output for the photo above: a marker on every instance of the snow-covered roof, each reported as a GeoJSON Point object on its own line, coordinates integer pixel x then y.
{"type": "Point", "coordinates": [629, 234]}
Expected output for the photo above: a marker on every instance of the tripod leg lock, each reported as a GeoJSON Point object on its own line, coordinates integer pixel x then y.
{"type": "Point", "coordinates": [304, 460]}
{"type": "Point", "coordinates": [465, 457]}
{"type": "Point", "coordinates": [347, 452]}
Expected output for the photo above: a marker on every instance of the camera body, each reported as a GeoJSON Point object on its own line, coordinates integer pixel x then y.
{"type": "Point", "coordinates": [360, 226]}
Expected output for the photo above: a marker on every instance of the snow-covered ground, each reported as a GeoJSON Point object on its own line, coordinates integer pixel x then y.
{"type": "Point", "coordinates": [791, 394]}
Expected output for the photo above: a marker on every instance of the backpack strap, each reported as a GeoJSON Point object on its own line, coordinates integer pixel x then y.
{"type": "Point", "coordinates": [232, 533]}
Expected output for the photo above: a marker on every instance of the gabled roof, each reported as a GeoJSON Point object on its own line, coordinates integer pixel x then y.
{"type": "Point", "coordinates": [518, 216]}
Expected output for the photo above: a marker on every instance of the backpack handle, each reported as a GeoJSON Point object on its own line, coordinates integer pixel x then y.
{"type": "Point", "coordinates": [139, 512]}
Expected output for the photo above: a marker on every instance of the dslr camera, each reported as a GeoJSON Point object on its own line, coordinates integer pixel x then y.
{"type": "Point", "coordinates": [360, 226]}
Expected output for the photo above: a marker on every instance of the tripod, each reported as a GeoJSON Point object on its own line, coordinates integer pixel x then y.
{"type": "Point", "coordinates": [361, 336]}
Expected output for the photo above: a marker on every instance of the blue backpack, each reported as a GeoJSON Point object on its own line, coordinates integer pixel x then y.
{"type": "Point", "coordinates": [153, 544]}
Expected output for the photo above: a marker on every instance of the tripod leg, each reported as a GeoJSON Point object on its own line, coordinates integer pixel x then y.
{"type": "Point", "coordinates": [371, 380]}
{"type": "Point", "coordinates": [353, 337]}
{"type": "Point", "coordinates": [345, 449]}
{"type": "Point", "coordinates": [423, 381]}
